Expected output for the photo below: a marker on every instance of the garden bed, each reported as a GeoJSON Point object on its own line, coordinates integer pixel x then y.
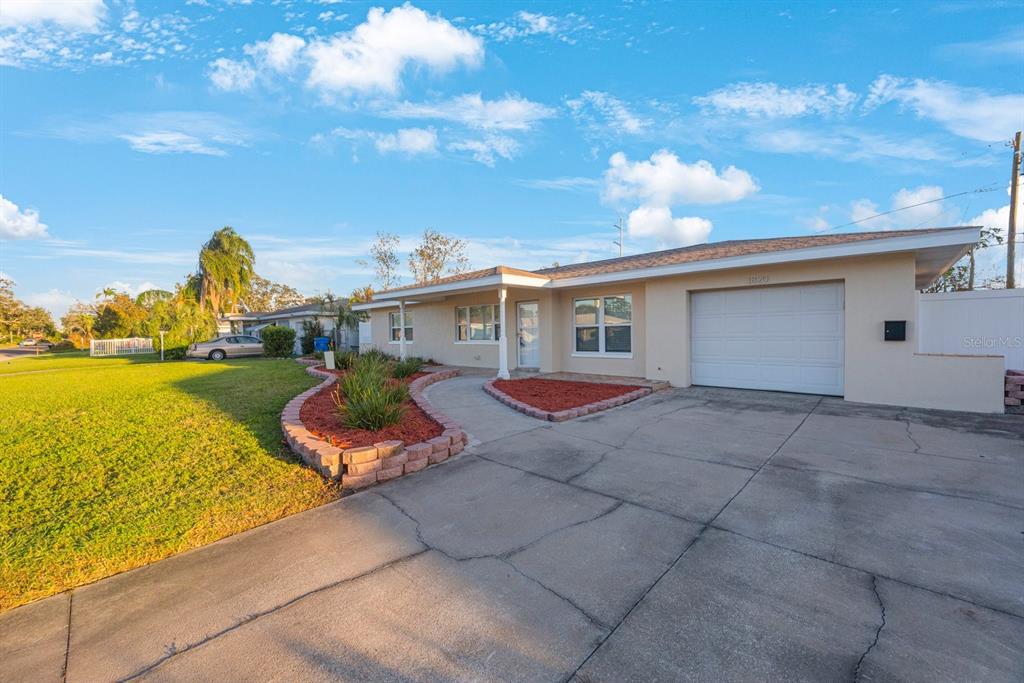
{"type": "Point", "coordinates": [320, 416]}
{"type": "Point", "coordinates": [556, 394]}
{"type": "Point", "coordinates": [558, 400]}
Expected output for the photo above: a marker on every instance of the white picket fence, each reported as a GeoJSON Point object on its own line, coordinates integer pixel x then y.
{"type": "Point", "coordinates": [121, 347]}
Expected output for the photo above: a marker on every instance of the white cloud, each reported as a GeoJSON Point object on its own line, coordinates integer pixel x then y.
{"type": "Point", "coordinates": [599, 109]}
{"type": "Point", "coordinates": [408, 140]}
{"type": "Point", "coordinates": [991, 262]}
{"type": "Point", "coordinates": [770, 100]}
{"type": "Point", "coordinates": [568, 184]}
{"type": "Point", "coordinates": [968, 112]}
{"type": "Point", "coordinates": [128, 288]}
{"type": "Point", "coordinates": [486, 150]}
{"type": "Point", "coordinates": [1004, 47]}
{"type": "Point", "coordinates": [664, 180]}
{"type": "Point", "coordinates": [82, 15]}
{"type": "Point", "coordinates": [17, 224]}
{"type": "Point", "coordinates": [161, 132]}
{"type": "Point", "coordinates": [231, 75]}
{"type": "Point", "coordinates": [656, 222]}
{"type": "Point", "coordinates": [80, 34]}
{"type": "Point", "coordinates": [280, 53]}
{"type": "Point", "coordinates": [170, 142]}
{"type": "Point", "coordinates": [929, 214]}
{"type": "Point", "coordinates": [56, 301]}
{"type": "Point", "coordinates": [511, 112]}
{"type": "Point", "coordinates": [375, 54]}
{"type": "Point", "coordinates": [526, 24]}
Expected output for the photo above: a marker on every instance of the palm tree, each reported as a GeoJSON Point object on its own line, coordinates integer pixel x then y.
{"type": "Point", "coordinates": [225, 271]}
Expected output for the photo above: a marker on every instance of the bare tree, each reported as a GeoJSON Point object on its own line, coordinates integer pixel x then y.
{"type": "Point", "coordinates": [384, 256]}
{"type": "Point", "coordinates": [987, 238]}
{"type": "Point", "coordinates": [436, 256]}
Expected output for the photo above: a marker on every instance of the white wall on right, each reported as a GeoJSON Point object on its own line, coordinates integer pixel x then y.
{"type": "Point", "coordinates": [983, 322]}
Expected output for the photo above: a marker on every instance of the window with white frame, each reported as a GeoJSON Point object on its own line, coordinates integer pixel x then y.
{"type": "Point", "coordinates": [396, 326]}
{"type": "Point", "coordinates": [603, 325]}
{"type": "Point", "coordinates": [477, 323]}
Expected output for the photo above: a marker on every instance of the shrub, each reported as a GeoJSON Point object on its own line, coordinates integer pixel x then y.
{"type": "Point", "coordinates": [375, 353]}
{"type": "Point", "coordinates": [63, 345]}
{"type": "Point", "coordinates": [371, 401]}
{"type": "Point", "coordinates": [310, 330]}
{"type": "Point", "coordinates": [278, 341]}
{"type": "Point", "coordinates": [343, 360]}
{"type": "Point", "coordinates": [407, 368]}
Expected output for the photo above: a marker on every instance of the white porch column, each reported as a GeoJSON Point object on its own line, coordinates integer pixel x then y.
{"type": "Point", "coordinates": [503, 341]}
{"type": "Point", "coordinates": [401, 330]}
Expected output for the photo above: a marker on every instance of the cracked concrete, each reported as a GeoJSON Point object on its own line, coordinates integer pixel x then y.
{"type": "Point", "coordinates": [694, 534]}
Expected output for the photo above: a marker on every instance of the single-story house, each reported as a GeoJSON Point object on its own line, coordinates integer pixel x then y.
{"type": "Point", "coordinates": [293, 317]}
{"type": "Point", "coordinates": [824, 314]}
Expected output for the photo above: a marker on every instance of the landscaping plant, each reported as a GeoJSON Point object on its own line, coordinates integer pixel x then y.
{"type": "Point", "coordinates": [343, 360]}
{"type": "Point", "coordinates": [367, 397]}
{"type": "Point", "coordinates": [407, 368]}
{"type": "Point", "coordinates": [310, 331]}
{"type": "Point", "coordinates": [278, 341]}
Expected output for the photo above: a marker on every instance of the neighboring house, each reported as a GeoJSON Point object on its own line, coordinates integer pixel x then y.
{"type": "Point", "coordinates": [293, 317]}
{"type": "Point", "coordinates": [800, 314]}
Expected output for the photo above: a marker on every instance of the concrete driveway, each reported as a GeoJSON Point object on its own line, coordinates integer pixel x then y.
{"type": "Point", "coordinates": [693, 535]}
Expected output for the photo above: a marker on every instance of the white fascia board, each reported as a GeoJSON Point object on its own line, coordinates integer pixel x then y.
{"type": "Point", "coordinates": [507, 279]}
{"type": "Point", "coordinates": [966, 236]}
{"type": "Point", "coordinates": [373, 305]}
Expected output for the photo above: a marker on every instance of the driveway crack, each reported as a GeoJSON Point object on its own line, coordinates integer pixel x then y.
{"type": "Point", "coordinates": [67, 645]}
{"type": "Point", "coordinates": [174, 651]}
{"type": "Point", "coordinates": [503, 557]}
{"type": "Point", "coordinates": [592, 619]}
{"type": "Point", "coordinates": [878, 631]}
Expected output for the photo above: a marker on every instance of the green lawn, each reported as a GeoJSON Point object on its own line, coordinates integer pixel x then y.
{"type": "Point", "coordinates": [108, 464]}
{"type": "Point", "coordinates": [71, 359]}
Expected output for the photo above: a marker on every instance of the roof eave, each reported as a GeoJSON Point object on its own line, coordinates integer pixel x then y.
{"type": "Point", "coordinates": [463, 286]}
{"type": "Point", "coordinates": [963, 239]}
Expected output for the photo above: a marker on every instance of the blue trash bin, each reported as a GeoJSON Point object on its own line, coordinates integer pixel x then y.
{"type": "Point", "coordinates": [321, 343]}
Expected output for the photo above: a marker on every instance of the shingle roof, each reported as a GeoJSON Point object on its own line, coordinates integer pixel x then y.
{"type": "Point", "coordinates": [718, 250]}
{"type": "Point", "coordinates": [471, 275]}
{"type": "Point", "coordinates": [699, 252]}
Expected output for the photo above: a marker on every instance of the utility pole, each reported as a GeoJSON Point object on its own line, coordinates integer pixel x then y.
{"type": "Point", "coordinates": [618, 226]}
{"type": "Point", "coordinates": [1011, 234]}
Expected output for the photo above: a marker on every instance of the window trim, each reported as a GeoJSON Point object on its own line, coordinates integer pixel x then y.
{"type": "Point", "coordinates": [600, 325]}
{"type": "Point", "coordinates": [409, 323]}
{"type": "Point", "coordinates": [495, 326]}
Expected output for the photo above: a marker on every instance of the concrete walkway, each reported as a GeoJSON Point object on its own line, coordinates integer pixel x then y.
{"type": "Point", "coordinates": [694, 534]}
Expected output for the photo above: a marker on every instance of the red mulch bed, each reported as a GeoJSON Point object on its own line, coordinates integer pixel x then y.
{"type": "Point", "coordinates": [320, 416]}
{"type": "Point", "coordinates": [557, 394]}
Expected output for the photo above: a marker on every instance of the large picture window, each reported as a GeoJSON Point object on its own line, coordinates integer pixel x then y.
{"type": "Point", "coordinates": [477, 323]}
{"type": "Point", "coordinates": [603, 325]}
{"type": "Point", "coordinates": [396, 326]}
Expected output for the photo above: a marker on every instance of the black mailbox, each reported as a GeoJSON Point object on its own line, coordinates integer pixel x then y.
{"type": "Point", "coordinates": [895, 330]}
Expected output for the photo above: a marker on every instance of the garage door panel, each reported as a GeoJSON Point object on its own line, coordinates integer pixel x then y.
{"type": "Point", "coordinates": [824, 324]}
{"type": "Point", "coordinates": [782, 338]}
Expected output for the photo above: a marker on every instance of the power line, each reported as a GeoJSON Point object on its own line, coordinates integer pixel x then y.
{"type": "Point", "coordinates": [912, 206]}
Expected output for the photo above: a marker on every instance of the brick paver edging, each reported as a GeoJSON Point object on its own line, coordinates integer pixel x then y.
{"type": "Point", "coordinates": [569, 413]}
{"type": "Point", "coordinates": [366, 465]}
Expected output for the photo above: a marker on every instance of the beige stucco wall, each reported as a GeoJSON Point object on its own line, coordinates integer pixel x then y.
{"type": "Point", "coordinates": [877, 288]}
{"type": "Point", "coordinates": [562, 351]}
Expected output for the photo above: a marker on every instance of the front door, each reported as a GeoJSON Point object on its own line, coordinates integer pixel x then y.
{"type": "Point", "coordinates": [528, 318]}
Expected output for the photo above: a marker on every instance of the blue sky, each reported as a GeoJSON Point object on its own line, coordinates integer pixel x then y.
{"type": "Point", "coordinates": [130, 131]}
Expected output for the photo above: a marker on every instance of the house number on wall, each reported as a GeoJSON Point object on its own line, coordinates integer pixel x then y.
{"type": "Point", "coordinates": [757, 280]}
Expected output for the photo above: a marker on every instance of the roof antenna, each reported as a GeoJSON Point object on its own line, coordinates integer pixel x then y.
{"type": "Point", "coordinates": [618, 226]}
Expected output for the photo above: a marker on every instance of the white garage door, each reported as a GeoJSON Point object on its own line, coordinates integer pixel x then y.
{"type": "Point", "coordinates": [781, 338]}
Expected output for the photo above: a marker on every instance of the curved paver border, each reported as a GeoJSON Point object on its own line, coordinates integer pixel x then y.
{"type": "Point", "coordinates": [366, 465]}
{"type": "Point", "coordinates": [569, 413]}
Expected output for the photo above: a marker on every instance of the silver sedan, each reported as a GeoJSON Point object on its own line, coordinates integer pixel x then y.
{"type": "Point", "coordinates": [230, 346]}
